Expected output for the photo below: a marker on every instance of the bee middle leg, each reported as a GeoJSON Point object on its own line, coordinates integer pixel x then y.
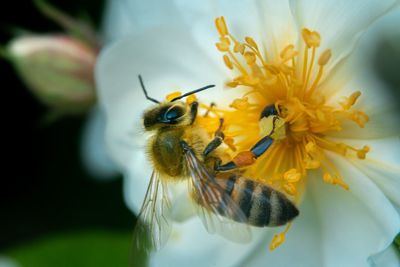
{"type": "Point", "coordinates": [217, 141]}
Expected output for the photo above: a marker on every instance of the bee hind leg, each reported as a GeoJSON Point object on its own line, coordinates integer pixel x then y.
{"type": "Point", "coordinates": [246, 158]}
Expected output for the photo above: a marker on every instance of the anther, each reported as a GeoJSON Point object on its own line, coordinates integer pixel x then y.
{"type": "Point", "coordinates": [328, 178]}
{"type": "Point", "coordinates": [224, 44]}
{"type": "Point", "coordinates": [221, 26]}
{"type": "Point", "coordinates": [232, 84]}
{"type": "Point", "coordinates": [277, 240]}
{"type": "Point", "coordinates": [312, 163]}
{"type": "Point", "coordinates": [250, 41]}
{"type": "Point", "coordinates": [240, 103]}
{"type": "Point", "coordinates": [250, 57]}
{"type": "Point", "coordinates": [312, 39]}
{"type": "Point", "coordinates": [238, 47]}
{"type": "Point", "coordinates": [311, 147]}
{"type": "Point", "coordinates": [228, 62]}
{"type": "Point", "coordinates": [324, 58]}
{"type": "Point", "coordinates": [292, 176]}
{"type": "Point", "coordinates": [290, 189]}
{"type": "Point", "coordinates": [288, 53]}
{"type": "Point", "coordinates": [361, 154]}
{"type": "Point", "coordinates": [360, 118]}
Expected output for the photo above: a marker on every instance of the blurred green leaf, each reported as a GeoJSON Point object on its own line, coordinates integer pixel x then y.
{"type": "Point", "coordinates": [79, 249]}
{"type": "Point", "coordinates": [397, 241]}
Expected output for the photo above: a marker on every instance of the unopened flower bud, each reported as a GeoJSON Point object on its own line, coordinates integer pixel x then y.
{"type": "Point", "coordinates": [58, 69]}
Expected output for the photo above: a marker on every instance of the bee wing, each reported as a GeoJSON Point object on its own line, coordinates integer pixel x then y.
{"type": "Point", "coordinates": [153, 226]}
{"type": "Point", "coordinates": [214, 206]}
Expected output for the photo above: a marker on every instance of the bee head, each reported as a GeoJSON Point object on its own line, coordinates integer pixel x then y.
{"type": "Point", "coordinates": [167, 114]}
{"type": "Point", "coordinates": [174, 113]}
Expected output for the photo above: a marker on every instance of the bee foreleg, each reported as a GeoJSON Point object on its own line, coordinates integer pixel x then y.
{"type": "Point", "coordinates": [209, 109]}
{"type": "Point", "coordinates": [217, 141]}
{"type": "Point", "coordinates": [193, 111]}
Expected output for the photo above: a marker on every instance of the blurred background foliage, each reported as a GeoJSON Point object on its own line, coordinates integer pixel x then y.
{"type": "Point", "coordinates": [52, 212]}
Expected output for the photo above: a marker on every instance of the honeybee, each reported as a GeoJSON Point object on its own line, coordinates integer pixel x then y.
{"type": "Point", "coordinates": [181, 151]}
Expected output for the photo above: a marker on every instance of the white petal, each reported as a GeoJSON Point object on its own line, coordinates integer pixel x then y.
{"type": "Point", "coordinates": [124, 17]}
{"type": "Point", "coordinates": [191, 245]}
{"type": "Point", "coordinates": [339, 22]}
{"type": "Point", "coordinates": [94, 153]}
{"type": "Point", "coordinates": [278, 26]}
{"type": "Point", "coordinates": [269, 22]}
{"type": "Point", "coordinates": [388, 258]}
{"type": "Point", "coordinates": [116, 21]}
{"type": "Point", "coordinates": [303, 243]}
{"type": "Point", "coordinates": [357, 73]}
{"type": "Point", "coordinates": [382, 164]}
{"type": "Point", "coordinates": [355, 224]}
{"type": "Point", "coordinates": [136, 180]}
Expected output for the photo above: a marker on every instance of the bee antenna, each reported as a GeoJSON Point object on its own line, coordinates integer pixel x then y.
{"type": "Point", "coordinates": [193, 92]}
{"type": "Point", "coordinates": [145, 92]}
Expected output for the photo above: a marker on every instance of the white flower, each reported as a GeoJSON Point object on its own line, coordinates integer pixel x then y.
{"type": "Point", "coordinates": [172, 44]}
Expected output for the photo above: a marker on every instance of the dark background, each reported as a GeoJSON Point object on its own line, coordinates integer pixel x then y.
{"type": "Point", "coordinates": [44, 188]}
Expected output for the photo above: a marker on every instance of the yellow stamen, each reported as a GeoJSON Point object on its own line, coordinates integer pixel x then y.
{"type": "Point", "coordinates": [221, 26]}
{"type": "Point", "coordinates": [312, 39]}
{"type": "Point", "coordinates": [251, 42]}
{"type": "Point", "coordinates": [228, 62]}
{"type": "Point", "coordinates": [306, 114]}
{"type": "Point", "coordinates": [292, 176]}
{"type": "Point", "coordinates": [278, 239]}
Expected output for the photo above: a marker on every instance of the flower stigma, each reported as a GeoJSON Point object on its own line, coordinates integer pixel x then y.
{"type": "Point", "coordinates": [292, 84]}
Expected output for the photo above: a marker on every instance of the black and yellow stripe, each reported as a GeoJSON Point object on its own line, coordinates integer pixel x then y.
{"type": "Point", "coordinates": [261, 204]}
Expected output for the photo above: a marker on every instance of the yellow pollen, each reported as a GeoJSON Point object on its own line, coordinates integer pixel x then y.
{"type": "Point", "coordinates": [292, 82]}
{"type": "Point", "coordinates": [190, 99]}
{"type": "Point", "coordinates": [173, 95]}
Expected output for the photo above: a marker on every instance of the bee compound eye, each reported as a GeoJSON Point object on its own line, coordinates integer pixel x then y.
{"type": "Point", "coordinates": [173, 113]}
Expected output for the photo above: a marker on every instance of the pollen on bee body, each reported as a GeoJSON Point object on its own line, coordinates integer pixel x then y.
{"type": "Point", "coordinates": [173, 95]}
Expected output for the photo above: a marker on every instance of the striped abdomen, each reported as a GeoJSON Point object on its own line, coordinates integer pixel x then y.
{"type": "Point", "coordinates": [262, 205]}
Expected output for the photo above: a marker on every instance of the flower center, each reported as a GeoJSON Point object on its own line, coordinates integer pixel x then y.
{"type": "Point", "coordinates": [292, 83]}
